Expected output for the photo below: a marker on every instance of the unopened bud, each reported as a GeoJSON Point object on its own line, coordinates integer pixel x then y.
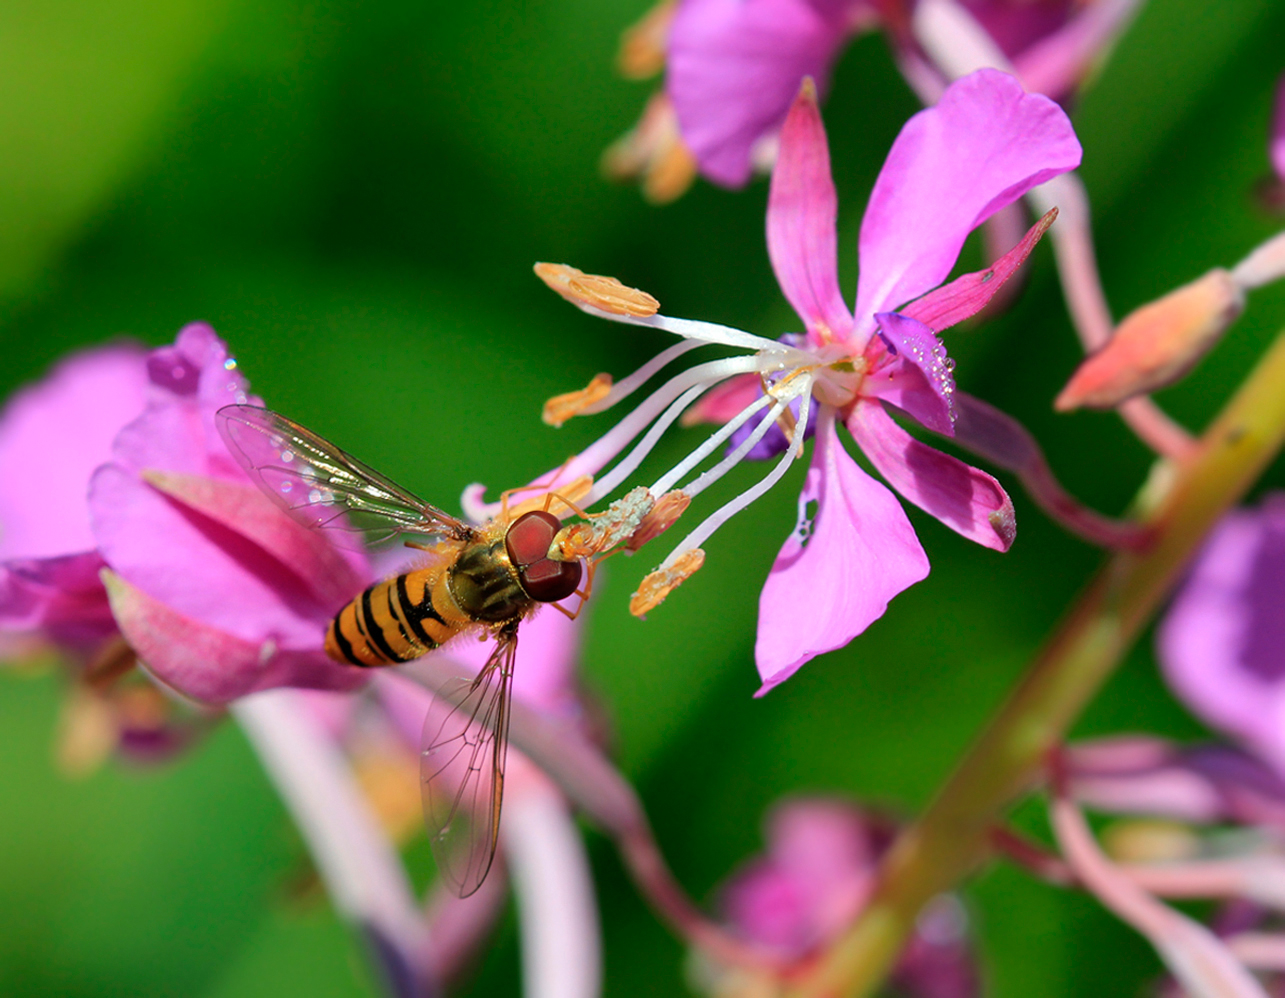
{"type": "Point", "coordinates": [643, 44]}
{"type": "Point", "coordinates": [664, 515]}
{"type": "Point", "coordinates": [603, 293]}
{"type": "Point", "coordinates": [655, 587]}
{"type": "Point", "coordinates": [1157, 344]}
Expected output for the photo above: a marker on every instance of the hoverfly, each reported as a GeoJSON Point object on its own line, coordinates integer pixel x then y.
{"type": "Point", "coordinates": [484, 578]}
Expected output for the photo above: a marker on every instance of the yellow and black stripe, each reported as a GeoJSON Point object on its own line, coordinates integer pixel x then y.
{"type": "Point", "coordinates": [395, 621]}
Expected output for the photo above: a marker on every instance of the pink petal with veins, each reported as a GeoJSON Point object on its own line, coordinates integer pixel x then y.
{"type": "Point", "coordinates": [203, 569]}
{"type": "Point", "coordinates": [842, 564]}
{"type": "Point", "coordinates": [967, 295]}
{"type": "Point", "coordinates": [52, 436]}
{"type": "Point", "coordinates": [725, 400]}
{"type": "Point", "coordinates": [984, 145]}
{"type": "Point", "coordinates": [801, 211]}
{"type": "Point", "coordinates": [208, 664]}
{"type": "Point", "coordinates": [918, 378]}
{"type": "Point", "coordinates": [965, 499]}
{"type": "Point", "coordinates": [736, 65]}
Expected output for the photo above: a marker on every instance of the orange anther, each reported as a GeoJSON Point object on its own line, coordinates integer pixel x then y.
{"type": "Point", "coordinates": [655, 587]}
{"type": "Point", "coordinates": [664, 515]}
{"type": "Point", "coordinates": [562, 407]}
{"type": "Point", "coordinates": [603, 293]}
{"type": "Point", "coordinates": [642, 45]}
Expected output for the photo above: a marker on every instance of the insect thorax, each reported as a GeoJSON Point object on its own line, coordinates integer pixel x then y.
{"type": "Point", "coordinates": [485, 584]}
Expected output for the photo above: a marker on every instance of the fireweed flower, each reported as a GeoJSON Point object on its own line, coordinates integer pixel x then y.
{"type": "Point", "coordinates": [985, 144]}
{"type": "Point", "coordinates": [735, 65]}
{"type": "Point", "coordinates": [813, 880]}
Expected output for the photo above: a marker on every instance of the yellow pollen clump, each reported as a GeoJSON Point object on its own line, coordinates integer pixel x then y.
{"type": "Point", "coordinates": [603, 293]}
{"type": "Point", "coordinates": [562, 407]}
{"type": "Point", "coordinates": [603, 531]}
{"type": "Point", "coordinates": [668, 509]}
{"type": "Point", "coordinates": [655, 587]}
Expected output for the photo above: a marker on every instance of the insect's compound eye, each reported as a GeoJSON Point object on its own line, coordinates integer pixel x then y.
{"type": "Point", "coordinates": [527, 542]}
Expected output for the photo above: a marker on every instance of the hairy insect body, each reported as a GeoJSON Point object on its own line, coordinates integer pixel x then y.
{"type": "Point", "coordinates": [470, 584]}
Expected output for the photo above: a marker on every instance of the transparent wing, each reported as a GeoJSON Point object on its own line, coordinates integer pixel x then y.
{"type": "Point", "coordinates": [462, 772]}
{"type": "Point", "coordinates": [322, 487]}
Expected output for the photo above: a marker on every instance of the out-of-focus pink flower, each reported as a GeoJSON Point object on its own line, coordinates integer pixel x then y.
{"type": "Point", "coordinates": [216, 591]}
{"type": "Point", "coordinates": [985, 144]}
{"type": "Point", "coordinates": [813, 880]}
{"type": "Point", "coordinates": [735, 65]}
{"type": "Point", "coordinates": [124, 516]}
{"type": "Point", "coordinates": [1222, 643]}
{"type": "Point", "coordinates": [1276, 140]}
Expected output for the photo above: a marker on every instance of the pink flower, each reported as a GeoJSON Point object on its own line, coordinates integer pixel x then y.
{"type": "Point", "coordinates": [1276, 140]}
{"type": "Point", "coordinates": [985, 144]}
{"type": "Point", "coordinates": [814, 879]}
{"type": "Point", "coordinates": [735, 65]}
{"type": "Point", "coordinates": [216, 591]}
{"type": "Point", "coordinates": [1222, 644]}
{"type": "Point", "coordinates": [144, 528]}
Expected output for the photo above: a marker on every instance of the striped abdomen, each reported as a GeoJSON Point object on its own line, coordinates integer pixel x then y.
{"type": "Point", "coordinates": [396, 620]}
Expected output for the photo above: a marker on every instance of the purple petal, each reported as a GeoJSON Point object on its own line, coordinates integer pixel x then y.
{"type": "Point", "coordinates": [801, 211]}
{"type": "Point", "coordinates": [208, 664]}
{"type": "Point", "coordinates": [982, 147]}
{"type": "Point", "coordinates": [52, 437]}
{"type": "Point", "coordinates": [917, 377]}
{"type": "Point", "coordinates": [61, 597]}
{"type": "Point", "coordinates": [1015, 26]}
{"type": "Point", "coordinates": [967, 295]}
{"type": "Point", "coordinates": [1276, 147]}
{"type": "Point", "coordinates": [202, 568]}
{"type": "Point", "coordinates": [851, 552]}
{"type": "Point", "coordinates": [965, 499]}
{"type": "Point", "coordinates": [773, 443]}
{"type": "Point", "coordinates": [735, 66]}
{"type": "Point", "coordinates": [1222, 644]}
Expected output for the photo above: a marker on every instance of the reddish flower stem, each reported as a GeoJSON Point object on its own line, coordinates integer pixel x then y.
{"type": "Point", "coordinates": [953, 835]}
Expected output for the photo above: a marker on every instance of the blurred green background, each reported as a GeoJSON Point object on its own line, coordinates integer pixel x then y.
{"type": "Point", "coordinates": [353, 194]}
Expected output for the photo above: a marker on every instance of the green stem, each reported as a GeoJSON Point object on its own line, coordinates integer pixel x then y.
{"type": "Point", "coordinates": [950, 839]}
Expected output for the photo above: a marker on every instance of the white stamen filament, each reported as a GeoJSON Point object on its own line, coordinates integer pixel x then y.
{"type": "Point", "coordinates": [625, 467]}
{"type": "Point", "coordinates": [627, 386]}
{"type": "Point", "coordinates": [692, 329]}
{"type": "Point", "coordinates": [712, 442]}
{"type": "Point", "coordinates": [709, 373]}
{"type": "Point", "coordinates": [698, 536]}
{"type": "Point", "coordinates": [712, 475]}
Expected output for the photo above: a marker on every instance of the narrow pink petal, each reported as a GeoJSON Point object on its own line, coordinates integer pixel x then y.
{"type": "Point", "coordinates": [965, 499]}
{"type": "Point", "coordinates": [202, 568]}
{"type": "Point", "coordinates": [917, 377]}
{"type": "Point", "coordinates": [735, 67]}
{"type": "Point", "coordinates": [852, 551]}
{"type": "Point", "coordinates": [982, 147]}
{"type": "Point", "coordinates": [801, 211]}
{"type": "Point", "coordinates": [52, 436]}
{"type": "Point", "coordinates": [1220, 644]}
{"type": "Point", "coordinates": [967, 295]}
{"type": "Point", "coordinates": [208, 664]}
{"type": "Point", "coordinates": [336, 576]}
{"type": "Point", "coordinates": [1276, 147]}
